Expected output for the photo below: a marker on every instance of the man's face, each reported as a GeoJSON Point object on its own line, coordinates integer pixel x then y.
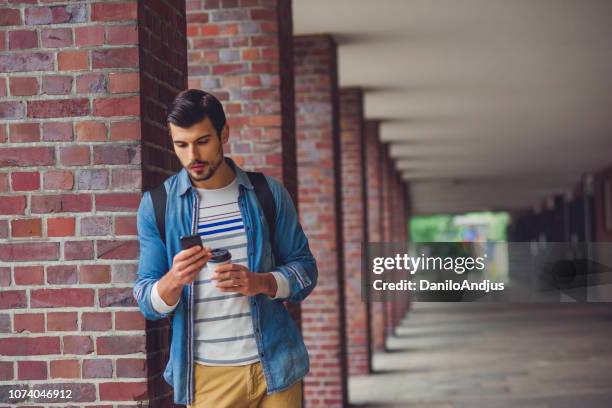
{"type": "Point", "coordinates": [199, 148]}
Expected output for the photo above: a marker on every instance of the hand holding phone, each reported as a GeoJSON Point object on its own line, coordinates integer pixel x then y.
{"type": "Point", "coordinates": [189, 261]}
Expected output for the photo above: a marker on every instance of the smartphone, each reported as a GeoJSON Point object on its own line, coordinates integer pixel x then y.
{"type": "Point", "coordinates": [189, 241]}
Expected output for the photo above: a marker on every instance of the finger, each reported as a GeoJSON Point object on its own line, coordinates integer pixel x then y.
{"type": "Point", "coordinates": [232, 289]}
{"type": "Point", "coordinates": [184, 264]}
{"type": "Point", "coordinates": [192, 250]}
{"type": "Point", "coordinates": [229, 283]}
{"type": "Point", "coordinates": [179, 266]}
{"type": "Point", "coordinates": [200, 257]}
{"type": "Point", "coordinates": [223, 275]}
{"type": "Point", "coordinates": [217, 276]}
{"type": "Point", "coordinates": [234, 273]}
{"type": "Point", "coordinates": [195, 267]}
{"type": "Point", "coordinates": [186, 253]}
{"type": "Point", "coordinates": [227, 267]}
{"type": "Point", "coordinates": [189, 276]}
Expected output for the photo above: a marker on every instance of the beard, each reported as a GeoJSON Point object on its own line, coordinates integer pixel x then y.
{"type": "Point", "coordinates": [211, 168]}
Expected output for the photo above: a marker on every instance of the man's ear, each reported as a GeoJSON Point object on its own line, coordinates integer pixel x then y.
{"type": "Point", "coordinates": [225, 134]}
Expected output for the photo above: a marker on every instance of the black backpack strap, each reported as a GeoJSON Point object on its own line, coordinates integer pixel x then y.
{"type": "Point", "coordinates": [266, 200]}
{"type": "Point", "coordinates": [158, 195]}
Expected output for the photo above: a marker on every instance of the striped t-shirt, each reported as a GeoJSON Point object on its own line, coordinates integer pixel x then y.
{"type": "Point", "coordinates": [223, 326]}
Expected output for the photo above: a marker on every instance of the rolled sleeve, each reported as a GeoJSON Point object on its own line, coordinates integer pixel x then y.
{"type": "Point", "coordinates": [282, 286]}
{"type": "Point", "coordinates": [158, 303]}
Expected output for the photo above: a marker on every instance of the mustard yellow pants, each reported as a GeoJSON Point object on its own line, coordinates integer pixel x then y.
{"type": "Point", "coordinates": [240, 387]}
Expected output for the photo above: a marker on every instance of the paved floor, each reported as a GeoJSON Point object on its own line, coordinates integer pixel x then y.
{"type": "Point", "coordinates": [459, 355]}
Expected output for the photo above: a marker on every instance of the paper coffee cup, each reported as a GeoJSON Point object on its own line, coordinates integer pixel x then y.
{"type": "Point", "coordinates": [219, 256]}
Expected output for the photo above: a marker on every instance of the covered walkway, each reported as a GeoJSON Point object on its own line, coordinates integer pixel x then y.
{"type": "Point", "coordinates": [463, 355]}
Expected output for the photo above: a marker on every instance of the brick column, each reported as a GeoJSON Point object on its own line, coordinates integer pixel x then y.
{"type": "Point", "coordinates": [386, 194]}
{"type": "Point", "coordinates": [318, 148]}
{"type": "Point", "coordinates": [387, 227]}
{"type": "Point", "coordinates": [401, 237]}
{"type": "Point", "coordinates": [242, 52]}
{"type": "Point", "coordinates": [407, 210]}
{"type": "Point", "coordinates": [405, 190]}
{"type": "Point", "coordinates": [71, 178]}
{"type": "Point", "coordinates": [393, 203]}
{"type": "Point", "coordinates": [163, 73]}
{"type": "Point", "coordinates": [399, 234]}
{"type": "Point", "coordinates": [354, 213]}
{"type": "Point", "coordinates": [375, 224]}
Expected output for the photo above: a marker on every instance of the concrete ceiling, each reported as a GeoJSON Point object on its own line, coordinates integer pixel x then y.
{"type": "Point", "coordinates": [488, 104]}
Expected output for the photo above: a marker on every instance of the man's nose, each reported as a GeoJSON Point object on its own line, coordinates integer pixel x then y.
{"type": "Point", "coordinates": [193, 153]}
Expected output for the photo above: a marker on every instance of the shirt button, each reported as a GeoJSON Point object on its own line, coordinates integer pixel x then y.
{"type": "Point", "coordinates": [261, 354]}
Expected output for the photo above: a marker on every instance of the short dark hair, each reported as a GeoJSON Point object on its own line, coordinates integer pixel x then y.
{"type": "Point", "coordinates": [193, 105]}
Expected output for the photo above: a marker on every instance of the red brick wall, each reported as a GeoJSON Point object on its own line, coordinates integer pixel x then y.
{"type": "Point", "coordinates": [70, 184]}
{"type": "Point", "coordinates": [375, 230]}
{"type": "Point", "coordinates": [318, 146]}
{"type": "Point", "coordinates": [241, 51]}
{"type": "Point", "coordinates": [354, 221]}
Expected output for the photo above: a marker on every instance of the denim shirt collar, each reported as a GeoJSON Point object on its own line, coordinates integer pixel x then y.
{"type": "Point", "coordinates": [184, 181]}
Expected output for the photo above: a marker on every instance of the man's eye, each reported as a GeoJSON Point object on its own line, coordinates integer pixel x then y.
{"type": "Point", "coordinates": [203, 142]}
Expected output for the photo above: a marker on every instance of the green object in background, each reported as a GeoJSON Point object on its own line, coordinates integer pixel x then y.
{"type": "Point", "coordinates": [476, 226]}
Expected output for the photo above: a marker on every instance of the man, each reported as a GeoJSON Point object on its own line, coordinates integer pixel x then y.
{"type": "Point", "coordinates": [234, 344]}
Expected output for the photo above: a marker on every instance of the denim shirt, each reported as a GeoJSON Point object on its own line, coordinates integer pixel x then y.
{"type": "Point", "coordinates": [282, 352]}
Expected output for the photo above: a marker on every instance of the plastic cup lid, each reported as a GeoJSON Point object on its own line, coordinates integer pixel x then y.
{"type": "Point", "coordinates": [220, 255]}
